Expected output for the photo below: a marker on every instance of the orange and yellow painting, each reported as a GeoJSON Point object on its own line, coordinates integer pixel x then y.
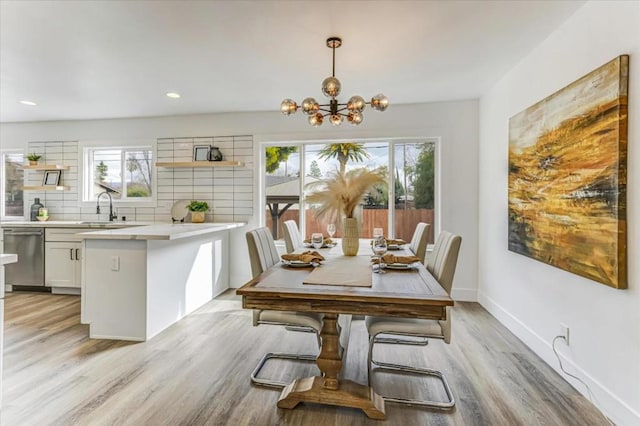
{"type": "Point", "coordinates": [567, 177]}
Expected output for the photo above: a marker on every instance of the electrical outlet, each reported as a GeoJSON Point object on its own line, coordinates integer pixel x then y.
{"type": "Point", "coordinates": [564, 332]}
{"type": "Point", "coordinates": [115, 263]}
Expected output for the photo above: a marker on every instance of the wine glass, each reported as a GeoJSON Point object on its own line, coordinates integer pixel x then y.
{"type": "Point", "coordinates": [317, 240]}
{"type": "Point", "coordinates": [378, 232]}
{"type": "Point", "coordinates": [331, 229]}
{"type": "Point", "coordinates": [379, 248]}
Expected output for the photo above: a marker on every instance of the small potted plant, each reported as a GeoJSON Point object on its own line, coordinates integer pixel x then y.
{"type": "Point", "coordinates": [33, 159]}
{"type": "Point", "coordinates": [197, 209]}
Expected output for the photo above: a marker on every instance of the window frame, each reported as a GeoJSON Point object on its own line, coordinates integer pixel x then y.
{"type": "Point", "coordinates": [3, 216]}
{"type": "Point", "coordinates": [392, 142]}
{"type": "Point", "coordinates": [85, 173]}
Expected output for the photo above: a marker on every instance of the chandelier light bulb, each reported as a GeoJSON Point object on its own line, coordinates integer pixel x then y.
{"type": "Point", "coordinates": [336, 111]}
{"type": "Point", "coordinates": [355, 118]}
{"type": "Point", "coordinates": [379, 102]}
{"type": "Point", "coordinates": [310, 106]}
{"type": "Point", "coordinates": [331, 87]}
{"type": "Point", "coordinates": [316, 119]}
{"type": "Point", "coordinates": [335, 119]}
{"type": "Point", "coordinates": [356, 103]}
{"type": "Point", "coordinates": [288, 107]}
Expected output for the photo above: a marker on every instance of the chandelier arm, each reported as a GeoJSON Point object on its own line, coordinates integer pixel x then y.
{"type": "Point", "coordinates": [325, 110]}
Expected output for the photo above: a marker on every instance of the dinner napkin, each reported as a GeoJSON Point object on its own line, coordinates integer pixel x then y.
{"type": "Point", "coordinates": [390, 259]}
{"type": "Point", "coordinates": [307, 256]}
{"type": "Point", "coordinates": [391, 241]}
{"type": "Point", "coordinates": [326, 241]}
{"type": "Point", "coordinates": [397, 242]}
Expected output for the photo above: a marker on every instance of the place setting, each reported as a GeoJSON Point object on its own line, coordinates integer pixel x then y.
{"type": "Point", "coordinates": [318, 241]}
{"type": "Point", "coordinates": [306, 259]}
{"type": "Point", "coordinates": [382, 260]}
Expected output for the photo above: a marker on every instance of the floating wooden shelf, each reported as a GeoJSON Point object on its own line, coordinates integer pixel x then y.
{"type": "Point", "coordinates": [45, 167]}
{"type": "Point", "coordinates": [200, 164]}
{"type": "Point", "coordinates": [45, 188]}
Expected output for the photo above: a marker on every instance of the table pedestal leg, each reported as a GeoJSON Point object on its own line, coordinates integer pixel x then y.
{"type": "Point", "coordinates": [328, 389]}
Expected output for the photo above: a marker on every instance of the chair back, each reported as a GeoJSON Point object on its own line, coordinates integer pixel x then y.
{"type": "Point", "coordinates": [442, 261]}
{"type": "Point", "coordinates": [262, 250]}
{"type": "Point", "coordinates": [291, 235]}
{"type": "Point", "coordinates": [418, 243]}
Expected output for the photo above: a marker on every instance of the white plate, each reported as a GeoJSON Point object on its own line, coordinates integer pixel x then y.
{"type": "Point", "coordinates": [309, 245]}
{"type": "Point", "coordinates": [297, 264]}
{"type": "Point", "coordinates": [179, 210]}
{"type": "Point", "coordinates": [399, 266]}
{"type": "Point", "coordinates": [395, 247]}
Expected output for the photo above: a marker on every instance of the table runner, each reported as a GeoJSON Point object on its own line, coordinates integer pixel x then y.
{"type": "Point", "coordinates": [351, 271]}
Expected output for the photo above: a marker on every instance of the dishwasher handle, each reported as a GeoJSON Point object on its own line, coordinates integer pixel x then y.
{"type": "Point", "coordinates": [8, 232]}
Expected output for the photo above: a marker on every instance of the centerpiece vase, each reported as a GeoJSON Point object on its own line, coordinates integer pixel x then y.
{"type": "Point", "coordinates": [351, 236]}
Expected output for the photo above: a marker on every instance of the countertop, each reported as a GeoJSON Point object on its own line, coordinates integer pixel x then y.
{"type": "Point", "coordinates": [162, 231]}
{"type": "Point", "coordinates": [8, 258]}
{"type": "Point", "coordinates": [71, 224]}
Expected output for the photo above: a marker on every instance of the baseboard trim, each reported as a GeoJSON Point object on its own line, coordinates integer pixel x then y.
{"type": "Point", "coordinates": [74, 291]}
{"type": "Point", "coordinates": [610, 404]}
{"type": "Point", "coordinates": [465, 294]}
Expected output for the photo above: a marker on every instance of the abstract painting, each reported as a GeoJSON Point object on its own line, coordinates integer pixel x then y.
{"type": "Point", "coordinates": [567, 177]}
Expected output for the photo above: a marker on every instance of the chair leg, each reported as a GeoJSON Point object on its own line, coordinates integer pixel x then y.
{"type": "Point", "coordinates": [395, 341]}
{"type": "Point", "coordinates": [300, 328]}
{"type": "Point", "coordinates": [272, 355]}
{"type": "Point", "coordinates": [408, 369]}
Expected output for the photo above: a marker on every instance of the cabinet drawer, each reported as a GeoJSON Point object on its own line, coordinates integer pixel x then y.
{"type": "Point", "coordinates": [64, 234]}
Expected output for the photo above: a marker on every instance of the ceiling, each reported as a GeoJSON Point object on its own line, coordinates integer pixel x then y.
{"type": "Point", "coordinates": [111, 59]}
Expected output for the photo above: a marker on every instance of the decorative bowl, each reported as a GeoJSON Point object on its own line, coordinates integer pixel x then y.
{"type": "Point", "coordinates": [42, 218]}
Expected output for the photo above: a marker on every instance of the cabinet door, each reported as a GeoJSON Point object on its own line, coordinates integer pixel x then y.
{"type": "Point", "coordinates": [62, 267]}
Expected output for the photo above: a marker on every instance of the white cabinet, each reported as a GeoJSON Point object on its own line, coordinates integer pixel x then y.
{"type": "Point", "coordinates": [62, 266]}
{"type": "Point", "coordinates": [63, 260]}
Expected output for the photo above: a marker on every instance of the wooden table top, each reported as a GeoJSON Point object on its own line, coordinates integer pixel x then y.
{"type": "Point", "coordinates": [402, 293]}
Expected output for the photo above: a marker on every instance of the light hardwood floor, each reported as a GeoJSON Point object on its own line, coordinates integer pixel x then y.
{"type": "Point", "coordinates": [197, 373]}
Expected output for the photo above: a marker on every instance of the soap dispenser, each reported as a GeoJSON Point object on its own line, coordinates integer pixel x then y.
{"type": "Point", "coordinates": [35, 208]}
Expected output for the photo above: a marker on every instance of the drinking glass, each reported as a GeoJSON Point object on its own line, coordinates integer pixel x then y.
{"type": "Point", "coordinates": [317, 240]}
{"type": "Point", "coordinates": [379, 248]}
{"type": "Point", "coordinates": [331, 229]}
{"type": "Point", "coordinates": [378, 232]}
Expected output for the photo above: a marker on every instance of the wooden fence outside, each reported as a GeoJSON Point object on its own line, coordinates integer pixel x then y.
{"type": "Point", "coordinates": [405, 222]}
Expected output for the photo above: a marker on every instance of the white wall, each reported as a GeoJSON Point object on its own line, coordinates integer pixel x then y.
{"type": "Point", "coordinates": [456, 123]}
{"type": "Point", "coordinates": [530, 297]}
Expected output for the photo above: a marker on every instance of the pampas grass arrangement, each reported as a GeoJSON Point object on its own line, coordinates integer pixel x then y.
{"type": "Point", "coordinates": [340, 194]}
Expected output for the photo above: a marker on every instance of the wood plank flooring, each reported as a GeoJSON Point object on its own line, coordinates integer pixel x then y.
{"type": "Point", "coordinates": [197, 373]}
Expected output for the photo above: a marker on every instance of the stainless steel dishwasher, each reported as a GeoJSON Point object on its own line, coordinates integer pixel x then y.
{"type": "Point", "coordinates": [28, 244]}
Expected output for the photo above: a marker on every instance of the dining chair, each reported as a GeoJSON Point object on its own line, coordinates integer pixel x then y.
{"type": "Point", "coordinates": [291, 235]}
{"type": "Point", "coordinates": [442, 265]}
{"type": "Point", "coordinates": [263, 255]}
{"type": "Point", "coordinates": [418, 244]}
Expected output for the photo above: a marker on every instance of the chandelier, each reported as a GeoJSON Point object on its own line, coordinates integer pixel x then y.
{"type": "Point", "coordinates": [336, 111]}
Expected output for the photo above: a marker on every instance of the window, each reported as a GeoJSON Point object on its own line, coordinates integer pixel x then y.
{"type": "Point", "coordinates": [12, 179]}
{"type": "Point", "coordinates": [397, 207]}
{"type": "Point", "coordinates": [125, 173]}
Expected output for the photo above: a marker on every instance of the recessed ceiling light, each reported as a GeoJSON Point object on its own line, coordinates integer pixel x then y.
{"type": "Point", "coordinates": [173, 95]}
{"type": "Point", "coordinates": [30, 103]}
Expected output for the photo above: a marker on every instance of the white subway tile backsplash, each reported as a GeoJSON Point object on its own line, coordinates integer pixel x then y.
{"type": "Point", "coordinates": [228, 190]}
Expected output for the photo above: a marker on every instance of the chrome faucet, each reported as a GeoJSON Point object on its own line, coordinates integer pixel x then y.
{"type": "Point", "coordinates": [112, 216]}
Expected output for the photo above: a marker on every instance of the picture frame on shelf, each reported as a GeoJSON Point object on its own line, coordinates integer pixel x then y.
{"type": "Point", "coordinates": [201, 152]}
{"type": "Point", "coordinates": [51, 178]}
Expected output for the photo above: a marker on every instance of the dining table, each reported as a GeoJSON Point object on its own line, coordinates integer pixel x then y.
{"type": "Point", "coordinates": [344, 285]}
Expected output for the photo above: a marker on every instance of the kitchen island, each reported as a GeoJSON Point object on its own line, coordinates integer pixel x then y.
{"type": "Point", "coordinates": [138, 281]}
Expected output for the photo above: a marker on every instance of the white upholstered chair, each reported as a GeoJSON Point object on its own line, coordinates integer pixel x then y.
{"type": "Point", "coordinates": [263, 255]}
{"type": "Point", "coordinates": [442, 265]}
{"type": "Point", "coordinates": [291, 235]}
{"type": "Point", "coordinates": [418, 244]}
